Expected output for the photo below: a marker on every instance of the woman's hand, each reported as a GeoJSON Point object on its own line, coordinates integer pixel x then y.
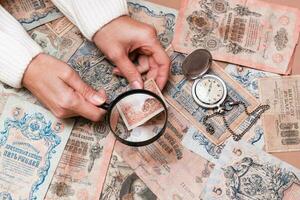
{"type": "Point", "coordinates": [124, 35]}
{"type": "Point", "coordinates": [61, 89]}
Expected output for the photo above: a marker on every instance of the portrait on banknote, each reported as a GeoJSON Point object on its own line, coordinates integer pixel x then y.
{"type": "Point", "coordinates": [133, 188]}
{"type": "Point", "coordinates": [122, 183]}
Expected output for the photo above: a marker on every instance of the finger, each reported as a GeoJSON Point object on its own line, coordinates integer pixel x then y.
{"type": "Point", "coordinates": [128, 69]}
{"type": "Point", "coordinates": [142, 67]}
{"type": "Point", "coordinates": [152, 74]}
{"type": "Point", "coordinates": [141, 70]}
{"type": "Point", "coordinates": [163, 62]}
{"type": "Point", "coordinates": [72, 103]}
{"type": "Point", "coordinates": [86, 109]}
{"type": "Point", "coordinates": [74, 81]}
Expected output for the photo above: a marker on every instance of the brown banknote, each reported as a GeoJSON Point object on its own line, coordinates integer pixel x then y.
{"type": "Point", "coordinates": [32, 13]}
{"type": "Point", "coordinates": [252, 33]}
{"type": "Point", "coordinates": [282, 122]}
{"type": "Point", "coordinates": [166, 167]}
{"type": "Point", "coordinates": [60, 26]}
{"type": "Point", "coordinates": [59, 38]}
{"type": "Point", "coordinates": [83, 165]}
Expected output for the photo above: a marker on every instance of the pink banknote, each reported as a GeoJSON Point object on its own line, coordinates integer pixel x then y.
{"type": "Point", "coordinates": [245, 32]}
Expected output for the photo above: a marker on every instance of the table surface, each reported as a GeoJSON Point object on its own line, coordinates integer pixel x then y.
{"type": "Point", "coordinates": [290, 157]}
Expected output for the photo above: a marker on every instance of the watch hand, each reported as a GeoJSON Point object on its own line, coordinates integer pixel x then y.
{"type": "Point", "coordinates": [210, 86]}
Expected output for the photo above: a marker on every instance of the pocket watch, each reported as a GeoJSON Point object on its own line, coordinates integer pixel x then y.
{"type": "Point", "coordinates": [210, 92]}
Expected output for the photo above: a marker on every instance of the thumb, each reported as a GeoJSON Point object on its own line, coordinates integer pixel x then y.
{"type": "Point", "coordinates": [91, 95]}
{"type": "Point", "coordinates": [129, 70]}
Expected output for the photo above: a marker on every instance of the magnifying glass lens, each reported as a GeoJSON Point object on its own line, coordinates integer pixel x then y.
{"type": "Point", "coordinates": [138, 119]}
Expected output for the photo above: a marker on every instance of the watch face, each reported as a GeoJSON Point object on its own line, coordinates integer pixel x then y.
{"type": "Point", "coordinates": [209, 91]}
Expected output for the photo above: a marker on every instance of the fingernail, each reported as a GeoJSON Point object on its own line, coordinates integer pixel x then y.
{"type": "Point", "coordinates": [136, 85]}
{"type": "Point", "coordinates": [98, 99]}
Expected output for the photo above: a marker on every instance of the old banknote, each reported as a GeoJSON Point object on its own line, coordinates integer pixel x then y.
{"type": "Point", "coordinates": [247, 77]}
{"type": "Point", "coordinates": [165, 166]}
{"type": "Point", "coordinates": [160, 17]}
{"type": "Point", "coordinates": [95, 70]}
{"type": "Point", "coordinates": [245, 173]}
{"type": "Point", "coordinates": [81, 170]}
{"type": "Point", "coordinates": [32, 13]}
{"type": "Point", "coordinates": [32, 141]}
{"type": "Point", "coordinates": [122, 183]}
{"type": "Point", "coordinates": [58, 39]}
{"type": "Point", "coordinates": [137, 109]}
{"type": "Point", "coordinates": [60, 26]}
{"type": "Point", "coordinates": [252, 33]}
{"type": "Point", "coordinates": [281, 122]}
{"type": "Point", "coordinates": [178, 94]}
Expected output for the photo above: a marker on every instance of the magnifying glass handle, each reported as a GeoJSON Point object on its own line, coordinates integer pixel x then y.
{"type": "Point", "coordinates": [104, 106]}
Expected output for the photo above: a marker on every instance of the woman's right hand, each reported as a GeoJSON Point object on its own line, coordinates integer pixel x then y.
{"type": "Point", "coordinates": [61, 89]}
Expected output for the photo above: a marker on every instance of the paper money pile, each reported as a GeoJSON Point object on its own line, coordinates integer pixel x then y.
{"type": "Point", "coordinates": [45, 158]}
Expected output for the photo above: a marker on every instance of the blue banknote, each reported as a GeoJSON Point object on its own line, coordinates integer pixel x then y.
{"type": "Point", "coordinates": [247, 77]}
{"type": "Point", "coordinates": [31, 142]}
{"type": "Point", "coordinates": [160, 17]}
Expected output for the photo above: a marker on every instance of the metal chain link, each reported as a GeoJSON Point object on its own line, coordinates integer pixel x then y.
{"type": "Point", "coordinates": [229, 106]}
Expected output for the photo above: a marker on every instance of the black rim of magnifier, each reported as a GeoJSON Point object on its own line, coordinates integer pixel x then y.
{"type": "Point", "coordinates": [109, 108]}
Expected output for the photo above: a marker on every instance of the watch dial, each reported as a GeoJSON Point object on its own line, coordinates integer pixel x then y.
{"type": "Point", "coordinates": [209, 90]}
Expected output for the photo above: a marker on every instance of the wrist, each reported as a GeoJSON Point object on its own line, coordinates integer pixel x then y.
{"type": "Point", "coordinates": [102, 31]}
{"type": "Point", "coordinates": [37, 61]}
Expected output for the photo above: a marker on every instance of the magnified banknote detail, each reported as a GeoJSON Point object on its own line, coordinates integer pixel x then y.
{"type": "Point", "coordinates": [140, 108]}
{"type": "Point", "coordinates": [246, 32]}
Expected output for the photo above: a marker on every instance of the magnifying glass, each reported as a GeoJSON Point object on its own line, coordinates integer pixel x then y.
{"type": "Point", "coordinates": [137, 117]}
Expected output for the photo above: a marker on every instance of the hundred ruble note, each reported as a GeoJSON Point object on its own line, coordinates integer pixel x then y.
{"type": "Point", "coordinates": [251, 33]}
{"type": "Point", "coordinates": [83, 165]}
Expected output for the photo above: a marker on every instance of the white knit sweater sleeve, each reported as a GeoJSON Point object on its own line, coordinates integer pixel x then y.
{"type": "Point", "coordinates": [90, 15]}
{"type": "Point", "coordinates": [16, 50]}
